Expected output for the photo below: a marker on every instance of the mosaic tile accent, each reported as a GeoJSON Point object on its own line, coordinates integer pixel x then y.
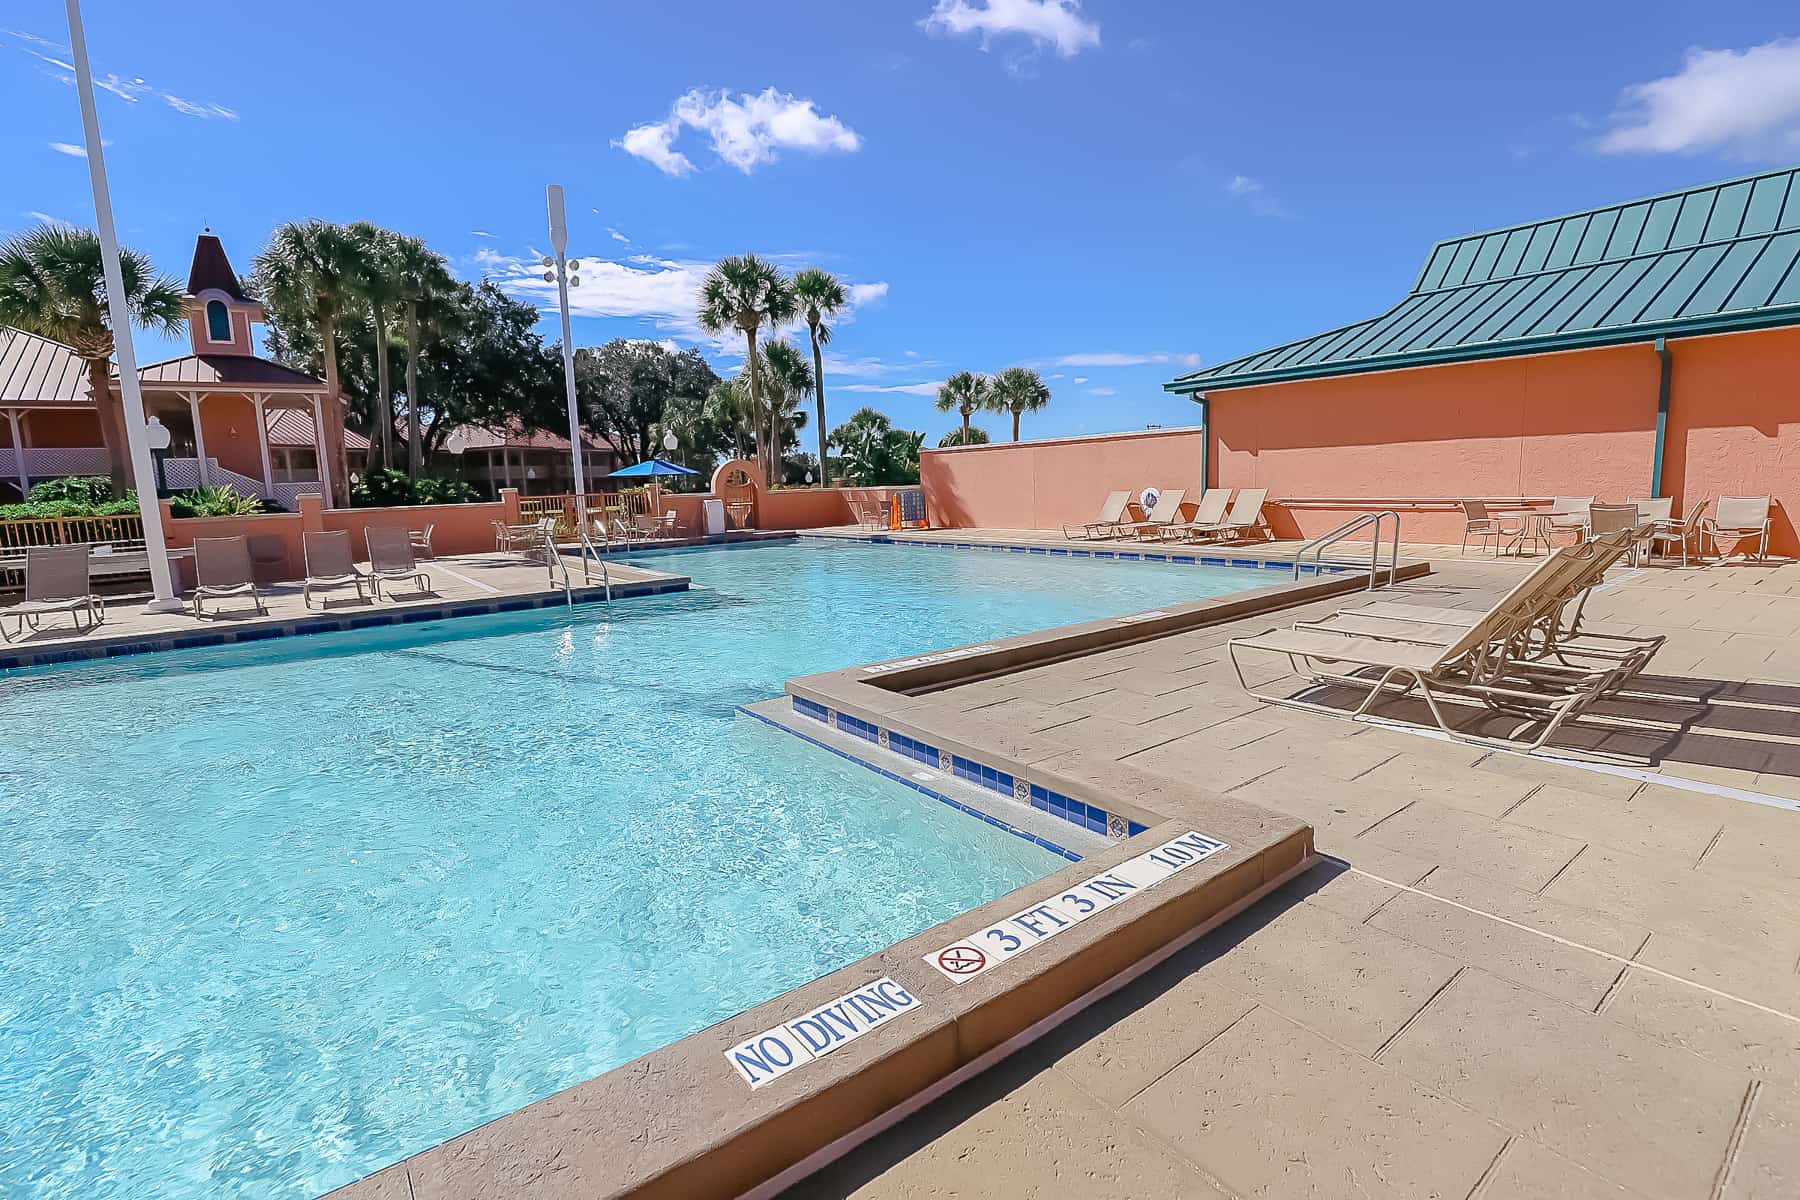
{"type": "Point", "coordinates": [1115, 826]}
{"type": "Point", "coordinates": [991, 778]}
{"type": "Point", "coordinates": [913, 748]}
{"type": "Point", "coordinates": [809, 708]}
{"type": "Point", "coordinates": [858, 727]}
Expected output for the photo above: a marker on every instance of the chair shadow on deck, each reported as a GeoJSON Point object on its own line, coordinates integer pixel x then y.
{"type": "Point", "coordinates": [1747, 726]}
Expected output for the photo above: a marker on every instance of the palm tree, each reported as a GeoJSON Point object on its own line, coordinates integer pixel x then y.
{"type": "Point", "coordinates": [965, 393]}
{"type": "Point", "coordinates": [820, 295]}
{"type": "Point", "coordinates": [1018, 390]}
{"type": "Point", "coordinates": [378, 284]}
{"type": "Point", "coordinates": [425, 285]}
{"type": "Point", "coordinates": [311, 266]}
{"type": "Point", "coordinates": [52, 284]}
{"type": "Point", "coordinates": [788, 381]}
{"type": "Point", "coordinates": [728, 406]}
{"type": "Point", "coordinates": [744, 292]}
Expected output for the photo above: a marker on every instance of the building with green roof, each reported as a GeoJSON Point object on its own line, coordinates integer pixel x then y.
{"type": "Point", "coordinates": [1642, 348]}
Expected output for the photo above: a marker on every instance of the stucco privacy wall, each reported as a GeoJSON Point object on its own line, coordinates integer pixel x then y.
{"type": "Point", "coordinates": [1043, 485]}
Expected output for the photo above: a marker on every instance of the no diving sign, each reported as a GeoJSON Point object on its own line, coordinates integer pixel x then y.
{"type": "Point", "coordinates": [964, 960]}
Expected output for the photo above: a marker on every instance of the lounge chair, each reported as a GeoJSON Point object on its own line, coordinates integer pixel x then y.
{"type": "Point", "coordinates": [1612, 518]}
{"type": "Point", "coordinates": [1488, 527]}
{"type": "Point", "coordinates": [1483, 661]}
{"type": "Point", "coordinates": [1245, 516]}
{"type": "Point", "coordinates": [391, 560]}
{"type": "Point", "coordinates": [1207, 513]}
{"type": "Point", "coordinates": [1739, 519]}
{"type": "Point", "coordinates": [1668, 533]}
{"type": "Point", "coordinates": [223, 568]}
{"type": "Point", "coordinates": [329, 564]}
{"type": "Point", "coordinates": [1112, 515]}
{"type": "Point", "coordinates": [421, 539]}
{"type": "Point", "coordinates": [56, 581]}
{"type": "Point", "coordinates": [1568, 514]}
{"type": "Point", "coordinates": [1166, 511]}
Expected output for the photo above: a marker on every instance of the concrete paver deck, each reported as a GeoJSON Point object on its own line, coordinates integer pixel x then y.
{"type": "Point", "coordinates": [1517, 976]}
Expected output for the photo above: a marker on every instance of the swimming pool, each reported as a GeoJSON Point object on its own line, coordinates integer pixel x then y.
{"type": "Point", "coordinates": [274, 915]}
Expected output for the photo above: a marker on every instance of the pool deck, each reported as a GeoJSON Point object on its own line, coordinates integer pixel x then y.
{"type": "Point", "coordinates": [1511, 976]}
{"type": "Point", "coordinates": [461, 585]}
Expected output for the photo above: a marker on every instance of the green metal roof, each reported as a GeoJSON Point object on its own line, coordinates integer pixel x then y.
{"type": "Point", "coordinates": [1712, 259]}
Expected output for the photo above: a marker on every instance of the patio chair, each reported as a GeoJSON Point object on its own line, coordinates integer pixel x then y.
{"type": "Point", "coordinates": [1488, 527]}
{"type": "Point", "coordinates": [1208, 512]}
{"type": "Point", "coordinates": [223, 568]}
{"type": "Point", "coordinates": [1739, 519]}
{"type": "Point", "coordinates": [1612, 518]}
{"type": "Point", "coordinates": [1244, 517]}
{"type": "Point", "coordinates": [421, 539]}
{"type": "Point", "coordinates": [1568, 513]}
{"type": "Point", "coordinates": [871, 515]}
{"type": "Point", "coordinates": [56, 581]}
{"type": "Point", "coordinates": [330, 563]}
{"type": "Point", "coordinates": [1668, 533]}
{"type": "Point", "coordinates": [1166, 511]}
{"type": "Point", "coordinates": [1480, 662]}
{"type": "Point", "coordinates": [1112, 513]}
{"type": "Point", "coordinates": [391, 560]}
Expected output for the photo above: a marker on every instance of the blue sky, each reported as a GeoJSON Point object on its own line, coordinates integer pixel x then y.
{"type": "Point", "coordinates": [1111, 192]}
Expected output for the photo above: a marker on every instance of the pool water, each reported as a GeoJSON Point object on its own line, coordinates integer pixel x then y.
{"type": "Point", "coordinates": [275, 915]}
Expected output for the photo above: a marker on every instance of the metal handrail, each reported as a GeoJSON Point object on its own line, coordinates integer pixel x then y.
{"type": "Point", "coordinates": [587, 574]}
{"type": "Point", "coordinates": [1317, 546]}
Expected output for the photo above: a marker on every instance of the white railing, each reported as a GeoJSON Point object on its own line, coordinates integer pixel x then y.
{"type": "Point", "coordinates": [54, 462]}
{"type": "Point", "coordinates": [288, 494]}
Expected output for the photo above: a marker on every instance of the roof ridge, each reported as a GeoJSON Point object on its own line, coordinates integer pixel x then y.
{"type": "Point", "coordinates": [1602, 262]}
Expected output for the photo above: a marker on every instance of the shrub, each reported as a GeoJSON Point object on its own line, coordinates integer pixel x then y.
{"type": "Point", "coordinates": [74, 489]}
{"type": "Point", "coordinates": [45, 510]}
{"type": "Point", "coordinates": [216, 502]}
{"type": "Point", "coordinates": [382, 489]}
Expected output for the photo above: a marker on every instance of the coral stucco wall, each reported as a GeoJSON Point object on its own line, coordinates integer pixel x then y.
{"type": "Point", "coordinates": [1578, 423]}
{"type": "Point", "coordinates": [1044, 485]}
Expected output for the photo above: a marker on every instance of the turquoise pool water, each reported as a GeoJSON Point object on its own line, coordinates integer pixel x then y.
{"type": "Point", "coordinates": [275, 915]}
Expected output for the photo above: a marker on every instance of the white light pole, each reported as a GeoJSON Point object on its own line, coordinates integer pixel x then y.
{"type": "Point", "coordinates": [560, 269]}
{"type": "Point", "coordinates": [143, 472]}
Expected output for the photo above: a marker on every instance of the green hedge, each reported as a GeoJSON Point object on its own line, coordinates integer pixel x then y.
{"type": "Point", "coordinates": [48, 509]}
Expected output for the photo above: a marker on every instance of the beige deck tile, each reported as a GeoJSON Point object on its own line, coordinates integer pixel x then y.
{"type": "Point", "coordinates": [1766, 851]}
{"type": "Point", "coordinates": [1523, 857]}
{"type": "Point", "coordinates": [1330, 750]}
{"type": "Point", "coordinates": [1766, 979]}
{"type": "Point", "coordinates": [1674, 899]}
{"type": "Point", "coordinates": [1651, 1117]}
{"type": "Point", "coordinates": [1040, 1139]}
{"type": "Point", "coordinates": [1652, 823]}
{"type": "Point", "coordinates": [1274, 1111]}
{"type": "Point", "coordinates": [1575, 976]}
{"type": "Point", "coordinates": [1527, 1171]}
{"type": "Point", "coordinates": [1725, 1031]}
{"type": "Point", "coordinates": [1543, 770]}
{"type": "Point", "coordinates": [1349, 894]}
{"type": "Point", "coordinates": [1131, 1039]}
{"type": "Point", "coordinates": [1411, 775]}
{"type": "Point", "coordinates": [1133, 708]}
{"type": "Point", "coordinates": [1354, 984]}
{"type": "Point", "coordinates": [1767, 1166]}
{"type": "Point", "coordinates": [1583, 926]}
{"type": "Point", "coordinates": [1345, 808]}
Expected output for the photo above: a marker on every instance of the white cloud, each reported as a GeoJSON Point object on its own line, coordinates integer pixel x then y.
{"type": "Point", "coordinates": [1742, 103]}
{"type": "Point", "coordinates": [1103, 391]}
{"type": "Point", "coordinates": [195, 108]}
{"type": "Point", "coordinates": [45, 217]}
{"type": "Point", "coordinates": [1057, 24]}
{"type": "Point", "coordinates": [1114, 358]}
{"type": "Point", "coordinates": [1251, 191]}
{"type": "Point", "coordinates": [928, 388]}
{"type": "Point", "coordinates": [746, 132]}
{"type": "Point", "coordinates": [1081, 379]}
{"type": "Point", "coordinates": [480, 233]}
{"type": "Point", "coordinates": [617, 236]}
{"type": "Point", "coordinates": [866, 293]}
{"type": "Point", "coordinates": [1243, 185]}
{"type": "Point", "coordinates": [654, 143]}
{"type": "Point", "coordinates": [71, 149]}
{"type": "Point", "coordinates": [127, 90]}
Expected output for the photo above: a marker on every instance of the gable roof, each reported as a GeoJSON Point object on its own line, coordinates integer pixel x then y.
{"type": "Point", "coordinates": [1718, 258]}
{"type": "Point", "coordinates": [36, 370]}
{"type": "Point", "coordinates": [212, 270]}
{"type": "Point", "coordinates": [225, 370]}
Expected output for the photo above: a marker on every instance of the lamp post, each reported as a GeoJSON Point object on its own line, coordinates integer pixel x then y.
{"type": "Point", "coordinates": [562, 272]}
{"type": "Point", "coordinates": [118, 314]}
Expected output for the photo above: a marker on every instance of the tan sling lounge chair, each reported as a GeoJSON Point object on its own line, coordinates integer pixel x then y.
{"type": "Point", "coordinates": [1245, 516]}
{"type": "Point", "coordinates": [329, 564]}
{"type": "Point", "coordinates": [56, 581]}
{"type": "Point", "coordinates": [1112, 515]}
{"type": "Point", "coordinates": [1207, 513]}
{"type": "Point", "coordinates": [391, 560]}
{"type": "Point", "coordinates": [1669, 534]}
{"type": "Point", "coordinates": [1165, 512]}
{"type": "Point", "coordinates": [1489, 528]}
{"type": "Point", "coordinates": [223, 567]}
{"type": "Point", "coordinates": [1739, 519]}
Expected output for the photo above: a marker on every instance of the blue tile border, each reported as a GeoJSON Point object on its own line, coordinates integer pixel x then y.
{"type": "Point", "coordinates": [916, 786]}
{"type": "Point", "coordinates": [1077, 551]}
{"type": "Point", "coordinates": [155, 643]}
{"type": "Point", "coordinates": [1001, 782]}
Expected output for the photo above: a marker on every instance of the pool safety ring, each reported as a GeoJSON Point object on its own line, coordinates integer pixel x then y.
{"type": "Point", "coordinates": [961, 960]}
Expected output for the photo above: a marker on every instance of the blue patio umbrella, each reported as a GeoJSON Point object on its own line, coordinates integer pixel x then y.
{"type": "Point", "coordinates": [652, 468]}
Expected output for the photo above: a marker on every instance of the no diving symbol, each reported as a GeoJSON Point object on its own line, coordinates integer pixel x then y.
{"type": "Point", "coordinates": [961, 960]}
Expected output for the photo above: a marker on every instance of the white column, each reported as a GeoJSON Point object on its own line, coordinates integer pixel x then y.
{"type": "Point", "coordinates": [193, 402]}
{"type": "Point", "coordinates": [262, 444]}
{"type": "Point", "coordinates": [18, 439]}
{"type": "Point", "coordinates": [318, 404]}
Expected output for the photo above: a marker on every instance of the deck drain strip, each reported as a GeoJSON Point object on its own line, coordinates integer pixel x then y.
{"type": "Point", "coordinates": [1629, 964]}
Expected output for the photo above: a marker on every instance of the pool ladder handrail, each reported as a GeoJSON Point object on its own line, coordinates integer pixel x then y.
{"type": "Point", "coordinates": [1317, 546]}
{"type": "Point", "coordinates": [554, 564]}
